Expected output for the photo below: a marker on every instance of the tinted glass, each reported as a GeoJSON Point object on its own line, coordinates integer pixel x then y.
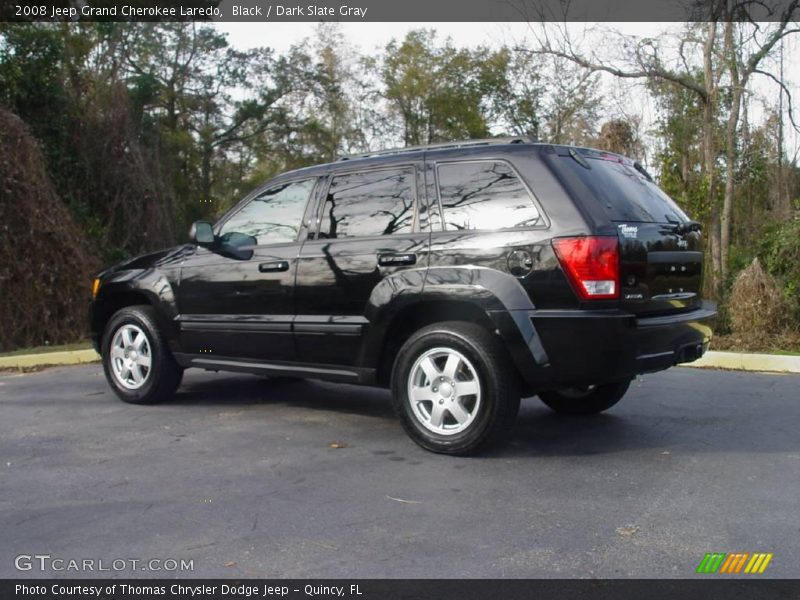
{"type": "Point", "coordinates": [624, 193]}
{"type": "Point", "coordinates": [369, 203]}
{"type": "Point", "coordinates": [484, 195]}
{"type": "Point", "coordinates": [273, 217]}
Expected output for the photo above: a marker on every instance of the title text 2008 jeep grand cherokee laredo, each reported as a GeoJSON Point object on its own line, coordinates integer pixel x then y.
{"type": "Point", "coordinates": [462, 275]}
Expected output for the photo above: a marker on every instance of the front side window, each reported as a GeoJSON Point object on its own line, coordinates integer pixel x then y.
{"type": "Point", "coordinates": [369, 203]}
{"type": "Point", "coordinates": [272, 217]}
{"type": "Point", "coordinates": [484, 195]}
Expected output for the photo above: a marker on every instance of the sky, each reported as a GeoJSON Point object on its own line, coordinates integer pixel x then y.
{"type": "Point", "coordinates": [370, 38]}
{"type": "Point", "coordinates": [375, 36]}
{"type": "Point", "coordinates": [366, 36]}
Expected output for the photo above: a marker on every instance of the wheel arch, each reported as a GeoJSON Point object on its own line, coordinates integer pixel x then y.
{"type": "Point", "coordinates": [415, 316]}
{"type": "Point", "coordinates": [488, 297]}
{"type": "Point", "coordinates": [148, 288]}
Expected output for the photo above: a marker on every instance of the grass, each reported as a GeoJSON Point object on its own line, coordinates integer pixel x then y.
{"type": "Point", "coordinates": [82, 345]}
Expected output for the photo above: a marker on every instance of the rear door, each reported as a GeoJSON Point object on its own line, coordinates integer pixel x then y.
{"type": "Point", "coordinates": [368, 230]}
{"type": "Point", "coordinates": [661, 249]}
{"type": "Point", "coordinates": [486, 216]}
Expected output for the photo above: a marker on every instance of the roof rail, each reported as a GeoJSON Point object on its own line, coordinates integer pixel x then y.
{"type": "Point", "coordinates": [443, 146]}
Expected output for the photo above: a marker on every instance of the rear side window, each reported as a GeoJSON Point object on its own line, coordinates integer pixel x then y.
{"type": "Point", "coordinates": [369, 203]}
{"type": "Point", "coordinates": [484, 195]}
{"type": "Point", "coordinates": [625, 193]}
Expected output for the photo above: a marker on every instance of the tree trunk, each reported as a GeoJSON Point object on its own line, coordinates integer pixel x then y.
{"type": "Point", "coordinates": [730, 150]}
{"type": "Point", "coordinates": [710, 157]}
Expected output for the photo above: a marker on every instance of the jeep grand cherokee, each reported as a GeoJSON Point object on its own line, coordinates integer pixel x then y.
{"type": "Point", "coordinates": [462, 276]}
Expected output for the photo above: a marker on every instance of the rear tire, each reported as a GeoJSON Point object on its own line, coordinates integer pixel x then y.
{"type": "Point", "coordinates": [585, 401]}
{"type": "Point", "coordinates": [453, 388]}
{"type": "Point", "coordinates": [136, 360]}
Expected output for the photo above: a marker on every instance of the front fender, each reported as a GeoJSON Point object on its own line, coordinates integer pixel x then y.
{"type": "Point", "coordinates": [120, 288]}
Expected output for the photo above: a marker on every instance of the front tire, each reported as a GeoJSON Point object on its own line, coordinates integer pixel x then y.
{"type": "Point", "coordinates": [589, 400]}
{"type": "Point", "coordinates": [454, 389]}
{"type": "Point", "coordinates": [136, 360]}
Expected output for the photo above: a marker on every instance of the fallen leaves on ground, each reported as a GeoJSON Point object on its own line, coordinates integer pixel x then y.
{"type": "Point", "coordinates": [627, 531]}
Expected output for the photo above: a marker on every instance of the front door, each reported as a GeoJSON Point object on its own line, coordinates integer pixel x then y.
{"type": "Point", "coordinates": [237, 299]}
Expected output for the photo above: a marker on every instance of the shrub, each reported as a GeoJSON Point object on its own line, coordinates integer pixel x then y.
{"type": "Point", "coordinates": [45, 266]}
{"type": "Point", "coordinates": [781, 251]}
{"type": "Point", "coordinates": [756, 304]}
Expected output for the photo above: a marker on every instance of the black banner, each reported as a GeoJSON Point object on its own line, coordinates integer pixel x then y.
{"type": "Point", "coordinates": [400, 589]}
{"type": "Point", "coordinates": [385, 11]}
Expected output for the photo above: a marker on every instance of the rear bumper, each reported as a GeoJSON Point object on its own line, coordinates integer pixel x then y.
{"type": "Point", "coordinates": [590, 347]}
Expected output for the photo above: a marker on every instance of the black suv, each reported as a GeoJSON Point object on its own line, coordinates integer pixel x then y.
{"type": "Point", "coordinates": [462, 275]}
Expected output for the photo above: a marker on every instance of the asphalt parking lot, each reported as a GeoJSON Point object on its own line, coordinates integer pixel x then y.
{"type": "Point", "coordinates": [255, 478]}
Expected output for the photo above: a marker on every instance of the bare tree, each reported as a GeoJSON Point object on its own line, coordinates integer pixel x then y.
{"type": "Point", "coordinates": [730, 50]}
{"type": "Point", "coordinates": [744, 49]}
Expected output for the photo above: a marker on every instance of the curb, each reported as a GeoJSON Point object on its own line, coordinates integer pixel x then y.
{"type": "Point", "coordinates": [65, 357]}
{"type": "Point", "coordinates": [740, 361]}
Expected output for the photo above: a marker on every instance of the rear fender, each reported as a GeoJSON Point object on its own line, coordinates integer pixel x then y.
{"type": "Point", "coordinates": [497, 294]}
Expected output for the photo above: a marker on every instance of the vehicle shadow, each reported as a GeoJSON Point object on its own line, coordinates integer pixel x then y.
{"type": "Point", "coordinates": [541, 432]}
{"type": "Point", "coordinates": [641, 421]}
{"type": "Point", "coordinates": [244, 390]}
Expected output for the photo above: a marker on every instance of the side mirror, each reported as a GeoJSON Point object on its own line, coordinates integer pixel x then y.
{"type": "Point", "coordinates": [202, 233]}
{"type": "Point", "coordinates": [236, 245]}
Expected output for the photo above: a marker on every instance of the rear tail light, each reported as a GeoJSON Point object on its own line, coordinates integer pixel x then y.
{"type": "Point", "coordinates": [591, 264]}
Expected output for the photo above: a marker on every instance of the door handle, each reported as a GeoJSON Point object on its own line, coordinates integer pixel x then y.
{"type": "Point", "coordinates": [273, 267]}
{"type": "Point", "coordinates": [392, 260]}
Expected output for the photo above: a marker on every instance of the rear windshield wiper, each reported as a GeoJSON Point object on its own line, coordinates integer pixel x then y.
{"type": "Point", "coordinates": [643, 171]}
{"type": "Point", "coordinates": [579, 159]}
{"type": "Point", "coordinates": [685, 227]}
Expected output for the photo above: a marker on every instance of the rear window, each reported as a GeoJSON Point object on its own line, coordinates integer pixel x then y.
{"type": "Point", "coordinates": [624, 192]}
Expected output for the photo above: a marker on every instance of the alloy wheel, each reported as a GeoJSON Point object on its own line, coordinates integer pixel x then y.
{"type": "Point", "coordinates": [444, 391]}
{"type": "Point", "coordinates": [131, 358]}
